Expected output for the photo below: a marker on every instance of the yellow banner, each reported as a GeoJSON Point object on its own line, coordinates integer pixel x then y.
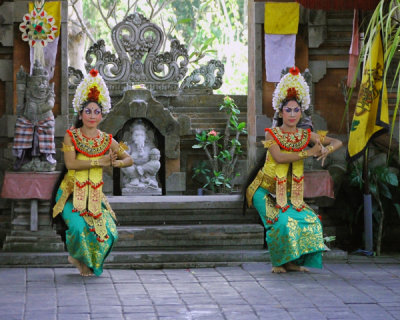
{"type": "Point", "coordinates": [371, 116]}
{"type": "Point", "coordinates": [281, 18]}
{"type": "Point", "coordinates": [53, 9]}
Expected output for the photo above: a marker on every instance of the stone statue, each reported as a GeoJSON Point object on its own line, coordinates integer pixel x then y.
{"type": "Point", "coordinates": [142, 176]}
{"type": "Point", "coordinates": [34, 129]}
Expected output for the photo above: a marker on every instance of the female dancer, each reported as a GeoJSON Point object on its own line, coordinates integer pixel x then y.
{"type": "Point", "coordinates": [293, 230]}
{"type": "Point", "coordinates": [90, 220]}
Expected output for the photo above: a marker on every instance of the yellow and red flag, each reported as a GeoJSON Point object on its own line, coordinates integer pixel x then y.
{"type": "Point", "coordinates": [371, 116]}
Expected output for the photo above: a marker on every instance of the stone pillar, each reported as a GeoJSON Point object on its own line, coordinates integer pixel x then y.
{"type": "Point", "coordinates": [256, 120]}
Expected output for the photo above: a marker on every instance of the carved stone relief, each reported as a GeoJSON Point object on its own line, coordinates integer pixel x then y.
{"type": "Point", "coordinates": [34, 129]}
{"type": "Point", "coordinates": [141, 177]}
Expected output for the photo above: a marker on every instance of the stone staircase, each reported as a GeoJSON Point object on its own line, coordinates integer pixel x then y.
{"type": "Point", "coordinates": [173, 232]}
{"type": "Point", "coordinates": [170, 231]}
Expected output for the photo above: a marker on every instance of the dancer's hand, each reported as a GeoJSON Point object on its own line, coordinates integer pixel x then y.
{"type": "Point", "coordinates": [323, 155]}
{"type": "Point", "coordinates": [114, 159]}
{"type": "Point", "coordinates": [105, 161]}
{"type": "Point", "coordinates": [316, 150]}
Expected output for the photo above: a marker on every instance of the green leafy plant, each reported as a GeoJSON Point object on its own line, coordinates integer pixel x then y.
{"type": "Point", "coordinates": [382, 183]}
{"type": "Point", "coordinates": [222, 151]}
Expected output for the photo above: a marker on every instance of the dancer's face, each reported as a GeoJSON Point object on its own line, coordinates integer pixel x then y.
{"type": "Point", "coordinates": [91, 115]}
{"type": "Point", "coordinates": [291, 113]}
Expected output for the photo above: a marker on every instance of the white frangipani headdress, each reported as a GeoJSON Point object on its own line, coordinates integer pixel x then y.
{"type": "Point", "coordinates": [92, 88]}
{"type": "Point", "coordinates": [292, 86]}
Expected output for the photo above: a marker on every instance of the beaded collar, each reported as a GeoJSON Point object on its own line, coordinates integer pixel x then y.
{"type": "Point", "coordinates": [90, 147]}
{"type": "Point", "coordinates": [291, 141]}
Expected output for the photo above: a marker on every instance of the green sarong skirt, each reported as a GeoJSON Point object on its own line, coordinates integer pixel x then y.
{"type": "Point", "coordinates": [295, 236]}
{"type": "Point", "coordinates": [81, 243]}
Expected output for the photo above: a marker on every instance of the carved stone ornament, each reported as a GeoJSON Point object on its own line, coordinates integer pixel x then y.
{"type": "Point", "coordinates": [75, 76]}
{"type": "Point", "coordinates": [206, 77]}
{"type": "Point", "coordinates": [138, 60]}
{"type": "Point", "coordinates": [34, 129]}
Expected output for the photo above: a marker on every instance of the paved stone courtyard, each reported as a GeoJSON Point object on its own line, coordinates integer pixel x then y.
{"type": "Point", "coordinates": [361, 290]}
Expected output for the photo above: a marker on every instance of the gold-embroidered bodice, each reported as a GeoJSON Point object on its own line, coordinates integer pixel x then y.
{"type": "Point", "coordinates": [86, 185]}
{"type": "Point", "coordinates": [280, 178]}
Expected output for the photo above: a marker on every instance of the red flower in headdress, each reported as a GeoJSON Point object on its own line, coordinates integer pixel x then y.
{"type": "Point", "coordinates": [294, 71]}
{"type": "Point", "coordinates": [291, 93]}
{"type": "Point", "coordinates": [93, 94]}
{"type": "Point", "coordinates": [93, 72]}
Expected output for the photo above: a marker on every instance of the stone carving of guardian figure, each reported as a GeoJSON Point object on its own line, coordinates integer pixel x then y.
{"type": "Point", "coordinates": [34, 129]}
{"type": "Point", "coordinates": [142, 176]}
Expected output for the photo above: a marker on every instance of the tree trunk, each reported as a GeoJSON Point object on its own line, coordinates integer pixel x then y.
{"type": "Point", "coordinates": [76, 39]}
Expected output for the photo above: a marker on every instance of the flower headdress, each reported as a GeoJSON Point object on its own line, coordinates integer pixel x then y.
{"type": "Point", "coordinates": [92, 88]}
{"type": "Point", "coordinates": [292, 86]}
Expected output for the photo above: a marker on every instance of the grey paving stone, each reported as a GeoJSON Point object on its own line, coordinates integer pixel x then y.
{"type": "Point", "coordinates": [207, 316]}
{"type": "Point", "coordinates": [129, 288]}
{"type": "Point", "coordinates": [395, 314]}
{"type": "Point", "coordinates": [124, 276]}
{"type": "Point", "coordinates": [198, 299]}
{"type": "Point", "coordinates": [141, 316]}
{"type": "Point", "coordinates": [135, 300]}
{"type": "Point", "coordinates": [339, 291]}
{"type": "Point", "coordinates": [370, 311]}
{"type": "Point", "coordinates": [40, 274]}
{"type": "Point", "coordinates": [12, 316]}
{"type": "Point", "coordinates": [72, 300]}
{"type": "Point", "coordinates": [306, 314]}
{"type": "Point", "coordinates": [199, 308]}
{"type": "Point", "coordinates": [13, 276]}
{"type": "Point", "coordinates": [171, 310]}
{"type": "Point", "coordinates": [154, 279]}
{"type": "Point", "coordinates": [106, 309]}
{"type": "Point", "coordinates": [139, 309]}
{"type": "Point", "coordinates": [240, 316]}
{"type": "Point", "coordinates": [332, 314]}
{"type": "Point", "coordinates": [167, 301]}
{"type": "Point", "coordinates": [40, 315]}
{"type": "Point", "coordinates": [77, 316]}
{"type": "Point", "coordinates": [100, 316]}
{"type": "Point", "coordinates": [73, 309]}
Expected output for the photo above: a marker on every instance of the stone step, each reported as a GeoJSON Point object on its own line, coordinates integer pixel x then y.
{"type": "Point", "coordinates": [40, 241]}
{"type": "Point", "coordinates": [201, 110]}
{"type": "Point", "coordinates": [154, 259]}
{"type": "Point", "coordinates": [183, 237]}
{"type": "Point", "coordinates": [210, 121]}
{"type": "Point", "coordinates": [151, 217]}
{"type": "Point", "coordinates": [23, 245]}
{"type": "Point", "coordinates": [181, 210]}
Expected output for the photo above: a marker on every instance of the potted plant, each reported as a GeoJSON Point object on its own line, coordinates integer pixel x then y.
{"type": "Point", "coordinates": [222, 151]}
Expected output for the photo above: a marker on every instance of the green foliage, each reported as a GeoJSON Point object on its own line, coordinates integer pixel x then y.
{"type": "Point", "coordinates": [211, 29]}
{"type": "Point", "coordinates": [383, 185]}
{"type": "Point", "coordinates": [222, 151]}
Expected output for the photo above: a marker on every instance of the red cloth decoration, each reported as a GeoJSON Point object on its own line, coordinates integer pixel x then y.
{"type": "Point", "coordinates": [29, 185]}
{"type": "Point", "coordinates": [318, 184]}
{"type": "Point", "coordinates": [339, 4]}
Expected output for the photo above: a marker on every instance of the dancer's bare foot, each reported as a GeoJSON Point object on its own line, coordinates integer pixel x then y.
{"type": "Point", "coordinates": [290, 266]}
{"type": "Point", "coordinates": [75, 263]}
{"type": "Point", "coordinates": [279, 269]}
{"type": "Point", "coordinates": [86, 271]}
